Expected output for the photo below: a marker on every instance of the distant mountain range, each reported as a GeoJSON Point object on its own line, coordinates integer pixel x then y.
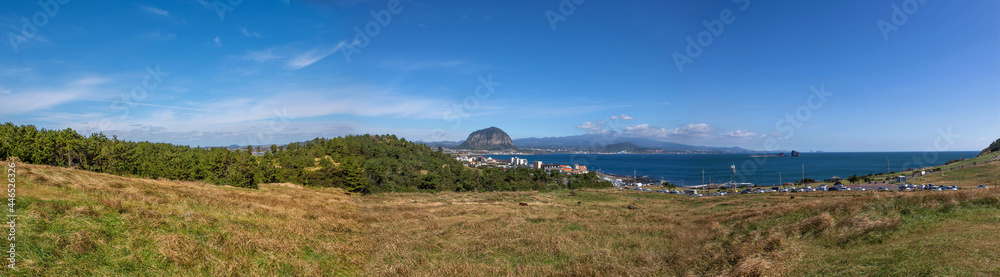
{"type": "Point", "coordinates": [627, 147]}
{"type": "Point", "coordinates": [597, 143]}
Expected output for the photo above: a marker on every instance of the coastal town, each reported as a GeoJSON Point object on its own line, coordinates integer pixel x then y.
{"type": "Point", "coordinates": [482, 161]}
{"type": "Point", "coordinates": [515, 162]}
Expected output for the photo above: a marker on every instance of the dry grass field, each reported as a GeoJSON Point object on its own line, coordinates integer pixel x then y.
{"type": "Point", "coordinates": [79, 223]}
{"type": "Point", "coordinates": [82, 223]}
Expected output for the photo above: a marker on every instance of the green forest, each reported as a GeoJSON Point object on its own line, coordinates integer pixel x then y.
{"type": "Point", "coordinates": [358, 163]}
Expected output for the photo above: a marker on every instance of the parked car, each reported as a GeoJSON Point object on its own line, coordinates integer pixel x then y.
{"type": "Point", "coordinates": [882, 189]}
{"type": "Point", "coordinates": [983, 187]}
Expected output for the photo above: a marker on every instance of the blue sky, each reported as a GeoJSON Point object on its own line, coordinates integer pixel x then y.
{"type": "Point", "coordinates": [808, 75]}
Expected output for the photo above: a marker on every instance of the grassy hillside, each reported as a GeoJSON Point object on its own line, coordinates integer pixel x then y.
{"type": "Point", "coordinates": [82, 223]}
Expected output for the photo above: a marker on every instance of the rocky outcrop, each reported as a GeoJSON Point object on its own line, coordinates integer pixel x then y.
{"type": "Point", "coordinates": [994, 147]}
{"type": "Point", "coordinates": [491, 138]}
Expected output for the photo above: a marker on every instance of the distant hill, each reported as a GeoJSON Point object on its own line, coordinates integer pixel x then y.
{"type": "Point", "coordinates": [445, 144]}
{"type": "Point", "coordinates": [597, 142]}
{"type": "Point", "coordinates": [627, 147]}
{"type": "Point", "coordinates": [491, 138]}
{"type": "Point", "coordinates": [994, 147]}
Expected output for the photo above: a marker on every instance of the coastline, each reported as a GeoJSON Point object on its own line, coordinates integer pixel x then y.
{"type": "Point", "coordinates": [687, 169]}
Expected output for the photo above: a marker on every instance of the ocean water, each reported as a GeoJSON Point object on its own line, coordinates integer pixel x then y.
{"type": "Point", "coordinates": [687, 169]}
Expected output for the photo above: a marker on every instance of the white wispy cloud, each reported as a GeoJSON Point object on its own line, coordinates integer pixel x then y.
{"type": "Point", "coordinates": [57, 104]}
{"type": "Point", "coordinates": [5, 91]}
{"type": "Point", "coordinates": [232, 114]}
{"type": "Point", "coordinates": [132, 102]}
{"type": "Point", "coordinates": [65, 116]}
{"type": "Point", "coordinates": [611, 125]}
{"type": "Point", "coordinates": [690, 131]}
{"type": "Point", "coordinates": [250, 34]}
{"type": "Point", "coordinates": [32, 100]}
{"type": "Point", "coordinates": [261, 56]}
{"type": "Point", "coordinates": [218, 41]}
{"type": "Point", "coordinates": [740, 134]}
{"type": "Point", "coordinates": [154, 10]}
{"type": "Point", "coordinates": [622, 117]}
{"type": "Point", "coordinates": [90, 81]}
{"type": "Point", "coordinates": [695, 133]}
{"type": "Point", "coordinates": [307, 59]}
{"type": "Point", "coordinates": [15, 72]}
{"type": "Point", "coordinates": [310, 57]}
{"type": "Point", "coordinates": [157, 35]}
{"type": "Point", "coordinates": [593, 127]}
{"type": "Point", "coordinates": [418, 65]}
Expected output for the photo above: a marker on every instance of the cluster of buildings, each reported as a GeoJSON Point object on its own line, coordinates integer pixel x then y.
{"type": "Point", "coordinates": [514, 162]}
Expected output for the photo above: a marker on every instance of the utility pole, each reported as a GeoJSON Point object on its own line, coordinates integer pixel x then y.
{"type": "Point", "coordinates": [779, 180]}
{"type": "Point", "coordinates": [962, 157]}
{"type": "Point", "coordinates": [734, 177]}
{"type": "Point", "coordinates": [888, 168]}
{"type": "Point", "coordinates": [702, 176]}
{"type": "Point", "coordinates": [803, 174]}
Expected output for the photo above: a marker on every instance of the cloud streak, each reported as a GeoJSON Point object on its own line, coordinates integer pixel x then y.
{"type": "Point", "coordinates": [310, 57]}
{"type": "Point", "coordinates": [30, 101]}
{"type": "Point", "coordinates": [261, 56]}
{"type": "Point", "coordinates": [154, 10]}
{"type": "Point", "coordinates": [250, 34]}
{"type": "Point", "coordinates": [157, 35]}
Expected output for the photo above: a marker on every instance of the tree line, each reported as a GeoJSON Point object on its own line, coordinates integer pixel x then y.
{"type": "Point", "coordinates": [99, 153]}
{"type": "Point", "coordinates": [358, 163]}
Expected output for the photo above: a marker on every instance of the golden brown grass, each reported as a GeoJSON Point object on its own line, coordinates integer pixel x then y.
{"type": "Point", "coordinates": [86, 223]}
{"type": "Point", "coordinates": [77, 219]}
{"type": "Point", "coordinates": [753, 235]}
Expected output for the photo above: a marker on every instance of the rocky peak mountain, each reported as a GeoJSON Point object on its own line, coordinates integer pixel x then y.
{"type": "Point", "coordinates": [491, 138]}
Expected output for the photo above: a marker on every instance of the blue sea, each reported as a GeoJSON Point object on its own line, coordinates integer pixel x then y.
{"type": "Point", "coordinates": [687, 169]}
